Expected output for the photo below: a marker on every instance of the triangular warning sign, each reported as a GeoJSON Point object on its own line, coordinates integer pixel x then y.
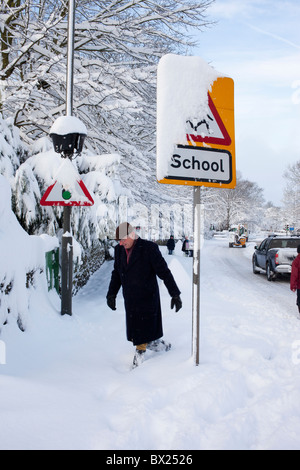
{"type": "Point", "coordinates": [67, 189]}
{"type": "Point", "coordinates": [63, 195]}
{"type": "Point", "coordinates": [210, 129]}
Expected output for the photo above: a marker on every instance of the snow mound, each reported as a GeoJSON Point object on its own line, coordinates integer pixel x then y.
{"type": "Point", "coordinates": [22, 267]}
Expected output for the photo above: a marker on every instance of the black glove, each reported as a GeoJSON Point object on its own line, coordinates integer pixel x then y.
{"type": "Point", "coordinates": [111, 302]}
{"type": "Point", "coordinates": [177, 302]}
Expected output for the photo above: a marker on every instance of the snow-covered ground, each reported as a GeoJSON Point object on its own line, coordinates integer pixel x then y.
{"type": "Point", "coordinates": [67, 381]}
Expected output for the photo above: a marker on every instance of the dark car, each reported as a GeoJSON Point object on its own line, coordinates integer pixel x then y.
{"type": "Point", "coordinates": [275, 255]}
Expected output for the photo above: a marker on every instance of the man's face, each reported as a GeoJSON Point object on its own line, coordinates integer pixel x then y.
{"type": "Point", "coordinates": [128, 241]}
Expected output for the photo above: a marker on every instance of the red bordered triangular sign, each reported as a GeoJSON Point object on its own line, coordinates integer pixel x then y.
{"type": "Point", "coordinates": [59, 195]}
{"type": "Point", "coordinates": [210, 130]}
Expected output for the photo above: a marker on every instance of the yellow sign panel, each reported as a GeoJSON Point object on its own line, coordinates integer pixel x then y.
{"type": "Point", "coordinates": [208, 157]}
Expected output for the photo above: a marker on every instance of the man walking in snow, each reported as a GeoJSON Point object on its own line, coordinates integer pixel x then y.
{"type": "Point", "coordinates": [295, 277]}
{"type": "Point", "coordinates": [137, 263]}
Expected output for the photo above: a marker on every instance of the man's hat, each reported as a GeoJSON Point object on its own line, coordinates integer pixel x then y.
{"type": "Point", "coordinates": [123, 230]}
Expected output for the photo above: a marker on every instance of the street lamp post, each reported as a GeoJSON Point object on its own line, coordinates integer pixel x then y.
{"type": "Point", "coordinates": [67, 240]}
{"type": "Point", "coordinates": [68, 134]}
{"type": "Point", "coordinates": [70, 58]}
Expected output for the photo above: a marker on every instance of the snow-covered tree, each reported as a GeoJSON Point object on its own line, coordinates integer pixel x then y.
{"type": "Point", "coordinates": [273, 218]}
{"type": "Point", "coordinates": [117, 47]}
{"type": "Point", "coordinates": [225, 207]}
{"type": "Point", "coordinates": [291, 197]}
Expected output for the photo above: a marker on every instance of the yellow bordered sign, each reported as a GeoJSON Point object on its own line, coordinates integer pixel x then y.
{"type": "Point", "coordinates": [208, 156]}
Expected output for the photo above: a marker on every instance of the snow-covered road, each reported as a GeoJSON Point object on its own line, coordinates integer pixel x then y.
{"type": "Point", "coordinates": [67, 383]}
{"type": "Point", "coordinates": [230, 272]}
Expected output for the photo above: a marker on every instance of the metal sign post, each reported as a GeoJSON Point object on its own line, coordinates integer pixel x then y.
{"type": "Point", "coordinates": [67, 241]}
{"type": "Point", "coordinates": [198, 229]}
{"type": "Point", "coordinates": [66, 264]}
{"type": "Point", "coordinates": [196, 277]}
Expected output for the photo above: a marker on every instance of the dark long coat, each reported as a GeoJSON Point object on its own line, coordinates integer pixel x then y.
{"type": "Point", "coordinates": [140, 289]}
{"type": "Point", "coordinates": [171, 244]}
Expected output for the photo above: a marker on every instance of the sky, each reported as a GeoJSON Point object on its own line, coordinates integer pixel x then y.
{"type": "Point", "coordinates": [257, 43]}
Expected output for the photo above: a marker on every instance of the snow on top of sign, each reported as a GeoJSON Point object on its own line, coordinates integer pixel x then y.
{"type": "Point", "coordinates": [68, 125]}
{"type": "Point", "coordinates": [69, 178]}
{"type": "Point", "coordinates": [182, 86]}
{"type": "Point", "coordinates": [67, 173]}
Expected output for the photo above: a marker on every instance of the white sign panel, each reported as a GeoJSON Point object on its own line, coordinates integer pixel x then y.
{"type": "Point", "coordinates": [200, 164]}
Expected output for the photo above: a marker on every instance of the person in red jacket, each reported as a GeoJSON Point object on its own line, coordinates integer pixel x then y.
{"type": "Point", "coordinates": [295, 277]}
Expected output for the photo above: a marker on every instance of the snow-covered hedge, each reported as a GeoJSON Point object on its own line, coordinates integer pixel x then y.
{"type": "Point", "coordinates": [22, 266]}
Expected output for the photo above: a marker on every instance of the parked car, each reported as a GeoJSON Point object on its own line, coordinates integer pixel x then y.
{"type": "Point", "coordinates": [275, 255]}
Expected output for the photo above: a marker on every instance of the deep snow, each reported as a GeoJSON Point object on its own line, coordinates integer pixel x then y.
{"type": "Point", "coordinates": [67, 382]}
